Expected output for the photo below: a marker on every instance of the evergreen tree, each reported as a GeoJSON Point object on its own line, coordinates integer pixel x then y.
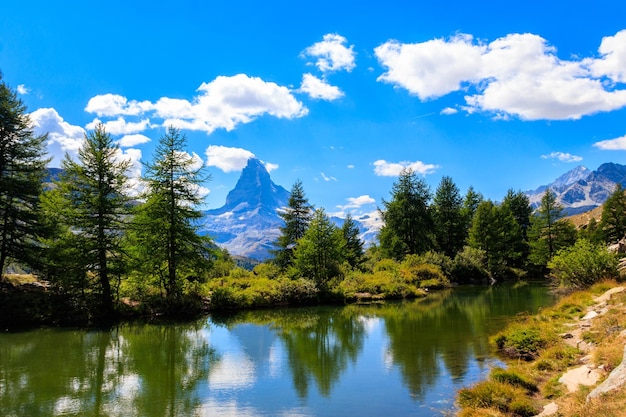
{"type": "Point", "coordinates": [471, 201]}
{"type": "Point", "coordinates": [165, 231]}
{"type": "Point", "coordinates": [549, 232]}
{"type": "Point", "coordinates": [448, 219]}
{"type": "Point", "coordinates": [520, 207]}
{"type": "Point", "coordinates": [613, 220]}
{"type": "Point", "coordinates": [90, 205]}
{"type": "Point", "coordinates": [22, 168]}
{"type": "Point", "coordinates": [354, 245]}
{"type": "Point", "coordinates": [296, 217]}
{"type": "Point", "coordinates": [408, 224]}
{"type": "Point", "coordinates": [495, 231]}
{"type": "Point", "coordinates": [319, 252]}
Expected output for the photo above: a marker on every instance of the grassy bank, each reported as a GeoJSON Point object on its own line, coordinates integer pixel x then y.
{"type": "Point", "coordinates": [582, 334]}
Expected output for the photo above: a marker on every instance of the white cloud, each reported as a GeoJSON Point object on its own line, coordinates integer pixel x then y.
{"type": "Point", "coordinates": [133, 140]}
{"type": "Point", "coordinates": [270, 166]}
{"type": "Point", "coordinates": [228, 101]}
{"type": "Point", "coordinates": [563, 157]}
{"type": "Point", "coordinates": [357, 202]}
{"type": "Point", "coordinates": [22, 89]}
{"type": "Point", "coordinates": [221, 104]}
{"type": "Point", "coordinates": [133, 156]}
{"type": "Point", "coordinates": [227, 159]}
{"type": "Point", "coordinates": [62, 136]}
{"type": "Point", "coordinates": [617, 144]}
{"type": "Point", "coordinates": [327, 178]}
{"type": "Point", "coordinates": [383, 168]}
{"type": "Point", "coordinates": [515, 75]}
{"type": "Point", "coordinates": [319, 89]}
{"type": "Point", "coordinates": [120, 126]}
{"type": "Point", "coordinates": [613, 58]}
{"type": "Point", "coordinates": [350, 166]}
{"type": "Point", "coordinates": [332, 54]}
{"type": "Point", "coordinates": [448, 111]}
{"type": "Point", "coordinates": [115, 105]}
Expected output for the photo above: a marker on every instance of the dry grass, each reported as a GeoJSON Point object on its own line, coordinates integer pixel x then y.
{"type": "Point", "coordinates": [19, 279]}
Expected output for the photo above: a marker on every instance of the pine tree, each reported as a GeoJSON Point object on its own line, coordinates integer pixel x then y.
{"type": "Point", "coordinates": [520, 207]}
{"type": "Point", "coordinates": [165, 229]}
{"type": "Point", "coordinates": [296, 217]}
{"type": "Point", "coordinates": [90, 204]}
{"type": "Point", "coordinates": [319, 252]}
{"type": "Point", "coordinates": [613, 220]}
{"type": "Point", "coordinates": [549, 232]}
{"type": "Point", "coordinates": [353, 244]}
{"type": "Point", "coordinates": [448, 217]}
{"type": "Point", "coordinates": [22, 168]}
{"type": "Point", "coordinates": [408, 223]}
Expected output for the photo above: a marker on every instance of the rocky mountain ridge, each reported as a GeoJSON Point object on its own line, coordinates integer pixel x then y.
{"type": "Point", "coordinates": [580, 189]}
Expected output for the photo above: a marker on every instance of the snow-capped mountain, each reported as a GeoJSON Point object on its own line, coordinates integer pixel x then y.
{"type": "Point", "coordinates": [248, 224]}
{"type": "Point", "coordinates": [580, 189]}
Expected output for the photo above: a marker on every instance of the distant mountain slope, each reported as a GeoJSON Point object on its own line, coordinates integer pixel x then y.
{"type": "Point", "coordinates": [248, 223]}
{"type": "Point", "coordinates": [580, 189]}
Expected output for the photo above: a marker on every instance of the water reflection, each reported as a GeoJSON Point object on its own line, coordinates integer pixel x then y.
{"type": "Point", "coordinates": [404, 358]}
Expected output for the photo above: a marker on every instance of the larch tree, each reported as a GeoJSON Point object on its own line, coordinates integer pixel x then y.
{"type": "Point", "coordinates": [408, 224]}
{"type": "Point", "coordinates": [22, 169]}
{"type": "Point", "coordinates": [613, 220]}
{"type": "Point", "coordinates": [91, 205]}
{"type": "Point", "coordinates": [353, 244]}
{"type": "Point", "coordinates": [549, 231]}
{"type": "Point", "coordinates": [296, 217]}
{"type": "Point", "coordinates": [448, 218]}
{"type": "Point", "coordinates": [165, 236]}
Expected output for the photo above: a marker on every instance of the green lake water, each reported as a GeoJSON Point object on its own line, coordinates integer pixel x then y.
{"type": "Point", "coordinates": [394, 359]}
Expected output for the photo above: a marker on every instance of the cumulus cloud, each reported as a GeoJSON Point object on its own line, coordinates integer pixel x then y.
{"type": "Point", "coordinates": [448, 111]}
{"type": "Point", "coordinates": [563, 157]}
{"type": "Point", "coordinates": [270, 166]}
{"type": "Point", "coordinates": [518, 75]}
{"type": "Point", "coordinates": [319, 89]}
{"type": "Point", "coordinates": [383, 168]}
{"type": "Point", "coordinates": [133, 140]}
{"type": "Point", "coordinates": [332, 54]}
{"type": "Point", "coordinates": [120, 126]}
{"type": "Point", "coordinates": [617, 144]}
{"type": "Point", "coordinates": [222, 103]}
{"type": "Point", "coordinates": [227, 159]}
{"type": "Point", "coordinates": [357, 202]}
{"type": "Point", "coordinates": [62, 136]}
{"type": "Point", "coordinates": [114, 105]}
{"type": "Point", "coordinates": [22, 89]}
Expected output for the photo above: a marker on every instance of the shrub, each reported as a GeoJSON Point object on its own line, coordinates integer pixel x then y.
{"type": "Point", "coordinates": [583, 264]}
{"type": "Point", "coordinates": [469, 265]}
{"type": "Point", "coordinates": [523, 341]}
{"type": "Point", "coordinates": [513, 378]}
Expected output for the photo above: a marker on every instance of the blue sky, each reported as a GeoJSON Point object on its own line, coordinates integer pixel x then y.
{"type": "Point", "coordinates": [340, 95]}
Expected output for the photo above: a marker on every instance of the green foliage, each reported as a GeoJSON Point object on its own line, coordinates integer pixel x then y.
{"type": "Point", "coordinates": [408, 223]}
{"type": "Point", "coordinates": [549, 232]}
{"type": "Point", "coordinates": [523, 340]}
{"type": "Point", "coordinates": [583, 265]}
{"type": "Point", "coordinates": [613, 221]}
{"type": "Point", "coordinates": [297, 217]}
{"type": "Point", "coordinates": [495, 231]}
{"type": "Point", "coordinates": [353, 249]}
{"type": "Point", "coordinates": [469, 265]}
{"type": "Point", "coordinates": [22, 168]}
{"type": "Point", "coordinates": [514, 379]}
{"type": "Point", "coordinates": [319, 253]}
{"type": "Point", "coordinates": [87, 209]}
{"type": "Point", "coordinates": [165, 240]}
{"type": "Point", "coordinates": [496, 395]}
{"type": "Point", "coordinates": [448, 220]}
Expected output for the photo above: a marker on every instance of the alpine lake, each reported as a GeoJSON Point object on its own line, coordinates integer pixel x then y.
{"type": "Point", "coordinates": [401, 358]}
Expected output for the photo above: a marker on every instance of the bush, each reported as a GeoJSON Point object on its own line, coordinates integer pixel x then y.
{"type": "Point", "coordinates": [469, 265]}
{"type": "Point", "coordinates": [523, 341]}
{"type": "Point", "coordinates": [582, 265]}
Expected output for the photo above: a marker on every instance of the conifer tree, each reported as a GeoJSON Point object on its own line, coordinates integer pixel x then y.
{"type": "Point", "coordinates": [353, 244]}
{"type": "Point", "coordinates": [549, 232]}
{"type": "Point", "coordinates": [22, 168]}
{"type": "Point", "coordinates": [296, 216]}
{"type": "Point", "coordinates": [165, 229]}
{"type": "Point", "coordinates": [448, 217]}
{"type": "Point", "coordinates": [613, 220]}
{"type": "Point", "coordinates": [90, 204]}
{"type": "Point", "coordinates": [408, 224]}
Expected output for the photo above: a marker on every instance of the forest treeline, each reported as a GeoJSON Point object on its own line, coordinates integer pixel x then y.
{"type": "Point", "coordinates": [108, 245]}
